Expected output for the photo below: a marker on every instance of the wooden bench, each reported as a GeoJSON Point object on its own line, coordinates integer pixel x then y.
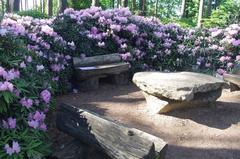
{"type": "Point", "coordinates": [116, 140]}
{"type": "Point", "coordinates": [89, 70]}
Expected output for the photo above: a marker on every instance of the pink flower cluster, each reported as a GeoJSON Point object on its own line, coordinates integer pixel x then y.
{"type": "Point", "coordinates": [10, 123]}
{"type": "Point", "coordinates": [36, 121]}
{"type": "Point", "coordinates": [15, 148]}
{"type": "Point", "coordinates": [46, 96]}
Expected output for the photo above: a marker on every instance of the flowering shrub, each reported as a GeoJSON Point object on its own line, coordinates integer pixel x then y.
{"type": "Point", "coordinates": [35, 63]}
{"type": "Point", "coordinates": [214, 49]}
{"type": "Point", "coordinates": [53, 50]}
{"type": "Point", "coordinates": [25, 94]}
{"type": "Point", "coordinates": [145, 43]}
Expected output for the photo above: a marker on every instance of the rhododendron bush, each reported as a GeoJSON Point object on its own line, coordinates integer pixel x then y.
{"type": "Point", "coordinates": [35, 64]}
{"type": "Point", "coordinates": [53, 50]}
{"type": "Point", "coordinates": [214, 50]}
{"type": "Point", "coordinates": [145, 43]}
{"type": "Point", "coordinates": [25, 93]}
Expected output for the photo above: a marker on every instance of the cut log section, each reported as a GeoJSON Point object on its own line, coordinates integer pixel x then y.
{"type": "Point", "coordinates": [116, 140]}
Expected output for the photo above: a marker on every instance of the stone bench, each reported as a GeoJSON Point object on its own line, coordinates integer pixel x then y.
{"type": "Point", "coordinates": [167, 91]}
{"type": "Point", "coordinates": [234, 81]}
{"type": "Point", "coordinates": [89, 70]}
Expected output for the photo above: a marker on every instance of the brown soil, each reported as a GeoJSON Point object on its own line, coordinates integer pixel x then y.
{"type": "Point", "coordinates": [209, 132]}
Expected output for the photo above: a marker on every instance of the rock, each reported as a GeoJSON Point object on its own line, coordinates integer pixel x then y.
{"type": "Point", "coordinates": [167, 91]}
{"type": "Point", "coordinates": [234, 81]}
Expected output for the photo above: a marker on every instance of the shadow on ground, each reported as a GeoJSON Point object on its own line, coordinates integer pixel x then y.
{"type": "Point", "coordinates": [201, 153]}
{"type": "Point", "coordinates": [222, 115]}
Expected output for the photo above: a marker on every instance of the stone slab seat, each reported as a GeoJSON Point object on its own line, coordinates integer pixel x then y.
{"type": "Point", "coordinates": [88, 70]}
{"type": "Point", "coordinates": [234, 81]}
{"type": "Point", "coordinates": [168, 91]}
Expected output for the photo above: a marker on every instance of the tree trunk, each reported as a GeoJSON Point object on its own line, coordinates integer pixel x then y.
{"type": "Point", "coordinates": [41, 5]}
{"type": "Point", "coordinates": [44, 6]}
{"type": "Point", "coordinates": [116, 140]}
{"type": "Point", "coordinates": [9, 6]}
{"type": "Point", "coordinates": [50, 7]}
{"type": "Point", "coordinates": [16, 5]}
{"type": "Point", "coordinates": [62, 5]}
{"type": "Point", "coordinates": [3, 9]}
{"type": "Point", "coordinates": [113, 3]}
{"type": "Point", "coordinates": [26, 4]}
{"type": "Point", "coordinates": [119, 3]}
{"type": "Point", "coordinates": [21, 5]}
{"type": "Point", "coordinates": [200, 13]}
{"type": "Point", "coordinates": [183, 9]}
{"type": "Point", "coordinates": [156, 7]}
{"type": "Point", "coordinates": [134, 5]}
{"type": "Point", "coordinates": [95, 3]}
{"type": "Point", "coordinates": [209, 9]}
{"type": "Point", "coordinates": [125, 3]}
{"type": "Point", "coordinates": [142, 7]}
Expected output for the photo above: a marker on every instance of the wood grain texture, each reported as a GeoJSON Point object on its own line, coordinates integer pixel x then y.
{"type": "Point", "coordinates": [116, 140]}
{"type": "Point", "coordinates": [96, 60]}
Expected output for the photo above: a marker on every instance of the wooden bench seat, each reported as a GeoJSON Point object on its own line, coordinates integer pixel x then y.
{"type": "Point", "coordinates": [101, 70]}
{"type": "Point", "coordinates": [89, 70]}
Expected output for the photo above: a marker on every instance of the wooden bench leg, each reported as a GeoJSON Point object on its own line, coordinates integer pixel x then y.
{"type": "Point", "coordinates": [89, 84]}
{"type": "Point", "coordinates": [120, 79]}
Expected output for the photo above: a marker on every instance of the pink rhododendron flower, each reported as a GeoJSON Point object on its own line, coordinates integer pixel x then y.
{"type": "Point", "coordinates": [40, 67]}
{"type": "Point", "coordinates": [236, 43]}
{"type": "Point", "coordinates": [6, 86]}
{"type": "Point", "coordinates": [222, 58]}
{"type": "Point", "coordinates": [14, 149]}
{"type": "Point", "coordinates": [33, 123]}
{"type": "Point", "coordinates": [238, 58]}
{"type": "Point", "coordinates": [25, 102]}
{"type": "Point", "coordinates": [39, 116]}
{"type": "Point", "coordinates": [230, 64]}
{"type": "Point", "coordinates": [216, 33]}
{"type": "Point", "coordinates": [22, 65]}
{"type": "Point", "coordinates": [46, 96]}
{"type": "Point", "coordinates": [10, 123]}
{"type": "Point", "coordinates": [125, 56]}
{"type": "Point", "coordinates": [221, 71]}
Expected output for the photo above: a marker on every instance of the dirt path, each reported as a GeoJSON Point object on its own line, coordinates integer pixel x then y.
{"type": "Point", "coordinates": [194, 133]}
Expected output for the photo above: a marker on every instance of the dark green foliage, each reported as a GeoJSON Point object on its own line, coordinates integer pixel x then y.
{"type": "Point", "coordinates": [33, 13]}
{"type": "Point", "coordinates": [227, 13]}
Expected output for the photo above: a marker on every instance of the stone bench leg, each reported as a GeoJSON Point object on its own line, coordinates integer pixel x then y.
{"type": "Point", "coordinates": [234, 87]}
{"type": "Point", "coordinates": [156, 105]}
{"type": "Point", "coordinates": [120, 79]}
{"type": "Point", "coordinates": [89, 84]}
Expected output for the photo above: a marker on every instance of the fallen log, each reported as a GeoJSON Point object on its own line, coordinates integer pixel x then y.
{"type": "Point", "coordinates": [116, 140]}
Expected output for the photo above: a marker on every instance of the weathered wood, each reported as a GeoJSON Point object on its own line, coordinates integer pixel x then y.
{"type": "Point", "coordinates": [96, 60]}
{"type": "Point", "coordinates": [118, 141]}
{"type": "Point", "coordinates": [89, 84]}
{"type": "Point", "coordinates": [120, 79]}
{"type": "Point", "coordinates": [103, 70]}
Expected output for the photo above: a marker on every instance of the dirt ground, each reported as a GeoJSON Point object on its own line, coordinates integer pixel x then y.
{"type": "Point", "coordinates": [208, 132]}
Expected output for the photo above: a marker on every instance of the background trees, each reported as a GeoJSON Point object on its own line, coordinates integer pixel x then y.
{"type": "Point", "coordinates": [185, 12]}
